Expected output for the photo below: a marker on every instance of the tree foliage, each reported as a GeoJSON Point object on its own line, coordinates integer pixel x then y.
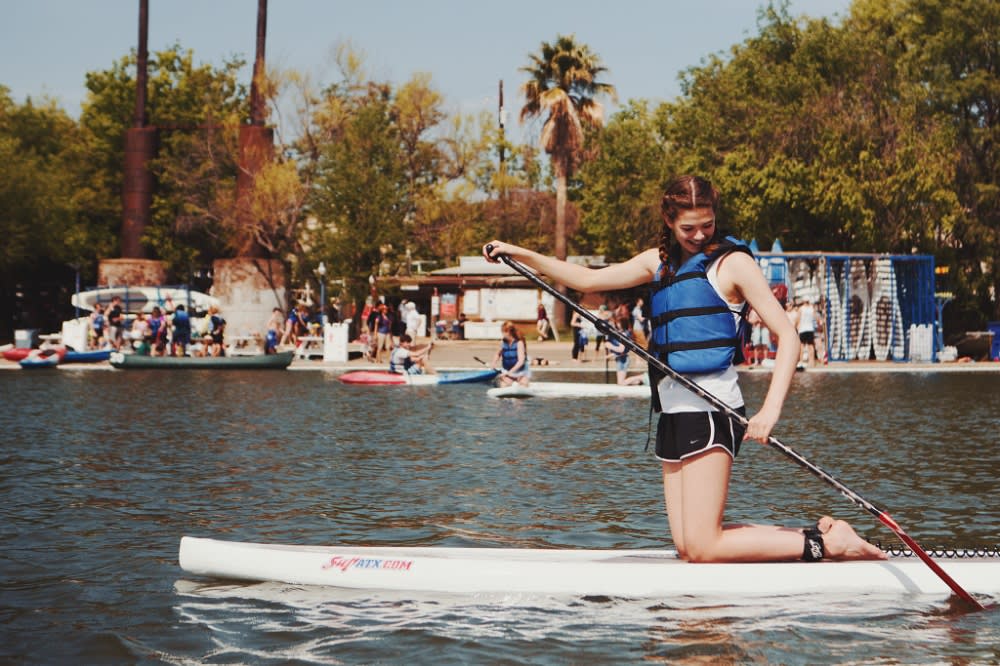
{"type": "Point", "coordinates": [198, 109]}
{"type": "Point", "coordinates": [875, 133]}
{"type": "Point", "coordinates": [563, 86]}
{"type": "Point", "coordinates": [619, 201]}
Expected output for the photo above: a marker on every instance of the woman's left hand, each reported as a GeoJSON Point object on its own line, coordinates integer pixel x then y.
{"type": "Point", "coordinates": [760, 425]}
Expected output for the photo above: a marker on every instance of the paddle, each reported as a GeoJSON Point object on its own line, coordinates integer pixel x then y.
{"type": "Point", "coordinates": [652, 360]}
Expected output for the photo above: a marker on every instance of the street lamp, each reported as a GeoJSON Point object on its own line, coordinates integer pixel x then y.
{"type": "Point", "coordinates": [321, 271]}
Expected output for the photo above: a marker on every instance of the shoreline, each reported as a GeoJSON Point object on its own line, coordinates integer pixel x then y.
{"type": "Point", "coordinates": [462, 355]}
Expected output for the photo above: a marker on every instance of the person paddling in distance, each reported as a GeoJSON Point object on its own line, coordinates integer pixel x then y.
{"type": "Point", "coordinates": [701, 280]}
{"type": "Point", "coordinates": [405, 360]}
{"type": "Point", "coordinates": [512, 357]}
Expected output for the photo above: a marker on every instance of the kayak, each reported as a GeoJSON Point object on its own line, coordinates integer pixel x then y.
{"type": "Point", "coordinates": [384, 377]}
{"type": "Point", "coordinates": [569, 390]}
{"type": "Point", "coordinates": [278, 361]}
{"type": "Point", "coordinates": [620, 573]}
{"type": "Point", "coordinates": [92, 356]}
{"type": "Point", "coordinates": [42, 358]}
{"type": "Point", "coordinates": [16, 354]}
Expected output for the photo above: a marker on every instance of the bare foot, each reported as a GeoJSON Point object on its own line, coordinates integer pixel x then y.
{"type": "Point", "coordinates": [843, 543]}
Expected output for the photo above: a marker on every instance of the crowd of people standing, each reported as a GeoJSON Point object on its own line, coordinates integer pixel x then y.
{"type": "Point", "coordinates": [165, 331]}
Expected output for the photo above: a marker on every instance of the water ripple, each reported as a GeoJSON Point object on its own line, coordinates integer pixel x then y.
{"type": "Point", "coordinates": [104, 471]}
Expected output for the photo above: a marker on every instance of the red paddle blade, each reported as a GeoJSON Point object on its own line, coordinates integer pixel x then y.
{"type": "Point", "coordinates": [935, 567]}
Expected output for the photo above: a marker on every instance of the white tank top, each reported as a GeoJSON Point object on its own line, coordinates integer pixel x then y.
{"type": "Point", "coordinates": [723, 384]}
{"type": "Point", "coordinates": [807, 319]}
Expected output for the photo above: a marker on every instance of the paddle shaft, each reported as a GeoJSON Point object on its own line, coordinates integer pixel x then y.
{"type": "Point", "coordinates": [609, 331]}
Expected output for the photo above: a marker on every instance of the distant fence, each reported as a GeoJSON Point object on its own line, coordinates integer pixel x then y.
{"type": "Point", "coordinates": [873, 306]}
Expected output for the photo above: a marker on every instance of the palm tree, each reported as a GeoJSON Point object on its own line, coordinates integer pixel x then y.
{"type": "Point", "coordinates": [564, 85]}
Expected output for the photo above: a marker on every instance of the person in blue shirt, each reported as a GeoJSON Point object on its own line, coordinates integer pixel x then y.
{"type": "Point", "coordinates": [182, 332]}
{"type": "Point", "coordinates": [702, 281]}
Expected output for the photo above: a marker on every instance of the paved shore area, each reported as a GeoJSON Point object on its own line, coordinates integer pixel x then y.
{"type": "Point", "coordinates": [557, 358]}
{"type": "Point", "coordinates": [463, 355]}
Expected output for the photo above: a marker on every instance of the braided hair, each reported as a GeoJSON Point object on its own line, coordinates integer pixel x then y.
{"type": "Point", "coordinates": [684, 194]}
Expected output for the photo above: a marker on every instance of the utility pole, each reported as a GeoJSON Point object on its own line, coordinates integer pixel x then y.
{"type": "Point", "coordinates": [503, 164]}
{"type": "Point", "coordinates": [140, 148]}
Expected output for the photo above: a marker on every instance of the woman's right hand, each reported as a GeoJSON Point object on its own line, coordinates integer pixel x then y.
{"type": "Point", "coordinates": [495, 248]}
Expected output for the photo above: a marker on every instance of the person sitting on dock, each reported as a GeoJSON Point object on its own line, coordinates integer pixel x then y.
{"type": "Point", "coordinates": [405, 360]}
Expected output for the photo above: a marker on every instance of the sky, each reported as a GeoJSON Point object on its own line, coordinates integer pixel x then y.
{"type": "Point", "coordinates": [468, 46]}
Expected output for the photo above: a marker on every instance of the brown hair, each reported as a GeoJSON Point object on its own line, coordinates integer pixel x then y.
{"type": "Point", "coordinates": [684, 194]}
{"type": "Point", "coordinates": [511, 329]}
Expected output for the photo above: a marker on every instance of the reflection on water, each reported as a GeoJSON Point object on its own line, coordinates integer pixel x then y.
{"type": "Point", "coordinates": [104, 471]}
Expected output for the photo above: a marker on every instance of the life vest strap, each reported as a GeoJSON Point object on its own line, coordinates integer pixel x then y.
{"type": "Point", "coordinates": [672, 347]}
{"type": "Point", "coordinates": [665, 317]}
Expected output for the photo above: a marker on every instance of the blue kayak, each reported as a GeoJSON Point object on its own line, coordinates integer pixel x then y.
{"type": "Point", "coordinates": [93, 356]}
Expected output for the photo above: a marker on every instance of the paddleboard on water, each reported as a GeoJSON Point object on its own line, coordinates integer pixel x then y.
{"type": "Point", "coordinates": [569, 390]}
{"type": "Point", "coordinates": [859, 341]}
{"type": "Point", "coordinates": [386, 378]}
{"type": "Point", "coordinates": [620, 573]}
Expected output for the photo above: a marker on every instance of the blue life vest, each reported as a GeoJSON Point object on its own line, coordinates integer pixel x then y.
{"type": "Point", "coordinates": [693, 328]}
{"type": "Point", "coordinates": [508, 354]}
{"type": "Point", "coordinates": [398, 368]}
{"type": "Point", "coordinates": [182, 323]}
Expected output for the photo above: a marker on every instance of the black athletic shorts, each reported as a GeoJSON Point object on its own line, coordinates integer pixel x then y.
{"type": "Point", "coordinates": [686, 434]}
{"type": "Point", "coordinates": [807, 337]}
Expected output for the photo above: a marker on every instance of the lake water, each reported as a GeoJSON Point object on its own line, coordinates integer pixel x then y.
{"type": "Point", "coordinates": [103, 471]}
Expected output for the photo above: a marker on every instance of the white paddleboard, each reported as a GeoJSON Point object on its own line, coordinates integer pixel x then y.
{"type": "Point", "coordinates": [569, 390]}
{"type": "Point", "coordinates": [620, 573]}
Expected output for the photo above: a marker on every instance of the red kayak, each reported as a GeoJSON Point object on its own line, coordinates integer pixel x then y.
{"type": "Point", "coordinates": [16, 354]}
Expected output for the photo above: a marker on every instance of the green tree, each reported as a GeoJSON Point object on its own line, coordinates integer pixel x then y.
{"type": "Point", "coordinates": [473, 198]}
{"type": "Point", "coordinates": [811, 135]}
{"type": "Point", "coordinates": [948, 52]}
{"type": "Point", "coordinates": [198, 109]}
{"type": "Point", "coordinates": [623, 182]}
{"type": "Point", "coordinates": [361, 191]}
{"type": "Point", "coordinates": [43, 220]}
{"type": "Point", "coordinates": [564, 87]}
